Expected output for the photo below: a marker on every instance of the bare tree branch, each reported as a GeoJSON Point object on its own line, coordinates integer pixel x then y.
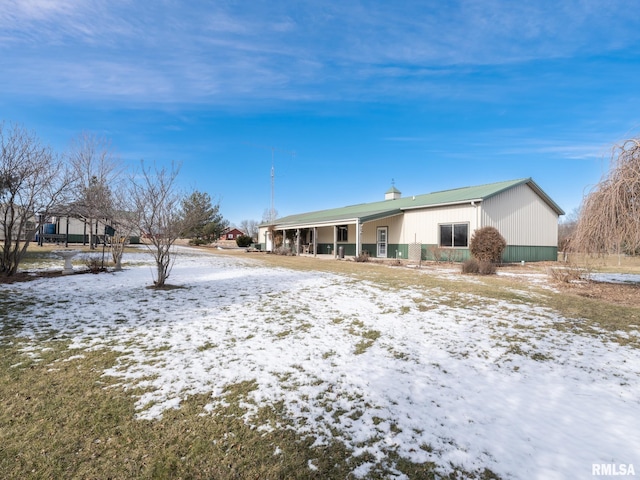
{"type": "Point", "coordinates": [160, 218]}
{"type": "Point", "coordinates": [610, 215]}
{"type": "Point", "coordinates": [96, 170]}
{"type": "Point", "coordinates": [32, 181]}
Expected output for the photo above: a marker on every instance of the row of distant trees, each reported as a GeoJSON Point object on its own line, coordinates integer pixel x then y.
{"type": "Point", "coordinates": [90, 182]}
{"type": "Point", "coordinates": [608, 220]}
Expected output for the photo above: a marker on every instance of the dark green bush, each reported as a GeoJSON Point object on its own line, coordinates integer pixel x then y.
{"type": "Point", "coordinates": [197, 241]}
{"type": "Point", "coordinates": [244, 241]}
{"type": "Point", "coordinates": [487, 245]}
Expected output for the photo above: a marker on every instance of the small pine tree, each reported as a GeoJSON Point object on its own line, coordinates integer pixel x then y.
{"type": "Point", "coordinates": [487, 245]}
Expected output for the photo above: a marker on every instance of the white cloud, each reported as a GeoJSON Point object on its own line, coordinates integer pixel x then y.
{"type": "Point", "coordinates": [279, 50]}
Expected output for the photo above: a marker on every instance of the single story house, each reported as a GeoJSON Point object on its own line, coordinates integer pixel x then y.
{"type": "Point", "coordinates": [62, 227]}
{"type": "Point", "coordinates": [435, 225]}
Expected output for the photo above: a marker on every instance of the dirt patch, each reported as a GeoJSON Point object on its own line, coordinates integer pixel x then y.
{"type": "Point", "coordinates": [29, 276]}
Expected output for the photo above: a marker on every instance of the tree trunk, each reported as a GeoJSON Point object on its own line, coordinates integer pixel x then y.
{"type": "Point", "coordinates": [161, 275]}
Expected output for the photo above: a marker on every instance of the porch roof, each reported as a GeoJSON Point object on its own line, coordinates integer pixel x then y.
{"type": "Point", "coordinates": [368, 212]}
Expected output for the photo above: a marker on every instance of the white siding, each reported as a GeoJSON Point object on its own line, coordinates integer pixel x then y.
{"type": "Point", "coordinates": [77, 226]}
{"type": "Point", "coordinates": [262, 234]}
{"type": "Point", "coordinates": [522, 217]}
{"type": "Point", "coordinates": [422, 225]}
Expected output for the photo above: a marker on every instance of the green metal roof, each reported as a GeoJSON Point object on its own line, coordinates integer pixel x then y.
{"type": "Point", "coordinates": [366, 212]}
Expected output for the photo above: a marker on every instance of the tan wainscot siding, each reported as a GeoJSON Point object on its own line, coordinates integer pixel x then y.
{"type": "Point", "coordinates": [325, 235]}
{"type": "Point", "coordinates": [394, 232]}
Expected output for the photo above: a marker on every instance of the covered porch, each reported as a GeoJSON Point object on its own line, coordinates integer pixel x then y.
{"type": "Point", "coordinates": [328, 241]}
{"type": "Point", "coordinates": [338, 238]}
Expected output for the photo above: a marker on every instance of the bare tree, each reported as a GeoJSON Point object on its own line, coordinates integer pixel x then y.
{"type": "Point", "coordinates": [124, 222]}
{"type": "Point", "coordinates": [96, 170]}
{"type": "Point", "coordinates": [160, 218]}
{"type": "Point", "coordinates": [610, 215]}
{"type": "Point", "coordinates": [32, 181]}
{"type": "Point", "coordinates": [269, 215]}
{"type": "Point", "coordinates": [250, 228]}
{"type": "Point", "coordinates": [566, 231]}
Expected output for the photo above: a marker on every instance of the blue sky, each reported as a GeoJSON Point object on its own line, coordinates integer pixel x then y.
{"type": "Point", "coordinates": [430, 94]}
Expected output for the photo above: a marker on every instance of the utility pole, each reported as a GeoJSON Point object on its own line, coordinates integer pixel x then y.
{"type": "Point", "coordinates": [272, 208]}
{"type": "Point", "coordinates": [272, 211]}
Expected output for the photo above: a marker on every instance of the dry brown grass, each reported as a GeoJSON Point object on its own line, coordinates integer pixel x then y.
{"type": "Point", "coordinates": [604, 263]}
{"type": "Point", "coordinates": [60, 418]}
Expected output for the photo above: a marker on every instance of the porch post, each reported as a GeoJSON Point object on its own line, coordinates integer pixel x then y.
{"type": "Point", "coordinates": [297, 241]}
{"type": "Point", "coordinates": [40, 230]}
{"type": "Point", "coordinates": [358, 238]}
{"type": "Point", "coordinates": [335, 241]}
{"type": "Point", "coordinates": [315, 241]}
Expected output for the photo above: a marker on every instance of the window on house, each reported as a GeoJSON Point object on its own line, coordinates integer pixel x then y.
{"type": "Point", "coordinates": [343, 233]}
{"type": "Point", "coordinates": [230, 236]}
{"type": "Point", "coordinates": [454, 235]}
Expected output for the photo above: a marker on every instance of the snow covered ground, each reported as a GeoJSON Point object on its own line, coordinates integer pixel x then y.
{"type": "Point", "coordinates": [615, 277]}
{"type": "Point", "coordinates": [476, 384]}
